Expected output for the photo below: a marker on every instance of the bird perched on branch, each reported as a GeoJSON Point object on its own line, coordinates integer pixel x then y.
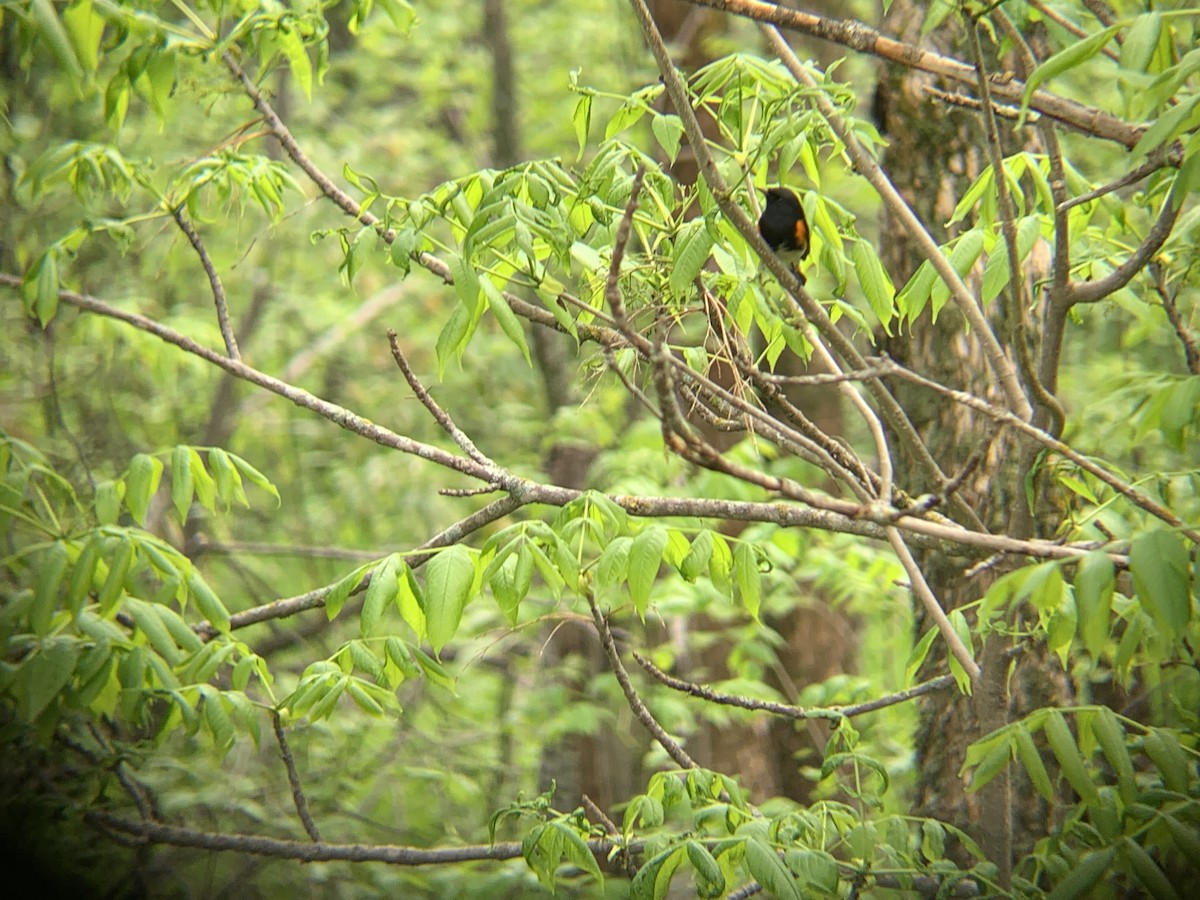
{"type": "Point", "coordinates": [784, 228]}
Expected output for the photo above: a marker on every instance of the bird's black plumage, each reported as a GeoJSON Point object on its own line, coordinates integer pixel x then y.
{"type": "Point", "coordinates": [782, 224]}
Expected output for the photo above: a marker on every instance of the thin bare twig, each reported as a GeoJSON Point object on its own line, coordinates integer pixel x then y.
{"type": "Point", "coordinates": [933, 608]}
{"type": "Point", "coordinates": [1191, 350]}
{"type": "Point", "coordinates": [612, 287]}
{"type": "Point", "coordinates": [1092, 291]}
{"type": "Point", "coordinates": [439, 415]}
{"type": "Point", "coordinates": [214, 281]}
{"type": "Point", "coordinates": [786, 710]}
{"type": "Point", "coordinates": [1149, 167]}
{"type": "Point", "coordinates": [1018, 308]}
{"type": "Point", "coordinates": [298, 797]}
{"type": "Point", "coordinates": [668, 743]}
{"type": "Point", "coordinates": [307, 851]}
{"type": "Point", "coordinates": [1048, 440]}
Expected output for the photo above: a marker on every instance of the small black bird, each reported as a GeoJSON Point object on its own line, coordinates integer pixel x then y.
{"type": "Point", "coordinates": [784, 228]}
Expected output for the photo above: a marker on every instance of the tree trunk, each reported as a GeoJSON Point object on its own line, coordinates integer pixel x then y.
{"type": "Point", "coordinates": [934, 152]}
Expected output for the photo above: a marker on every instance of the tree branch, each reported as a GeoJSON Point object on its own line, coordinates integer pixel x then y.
{"type": "Point", "coordinates": [643, 715]}
{"type": "Point", "coordinates": [214, 281]}
{"type": "Point", "coordinates": [294, 779]}
{"type": "Point", "coordinates": [786, 710]}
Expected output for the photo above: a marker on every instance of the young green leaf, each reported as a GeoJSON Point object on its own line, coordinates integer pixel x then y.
{"type": "Point", "coordinates": [448, 579]}
{"type": "Point", "coordinates": [645, 556]}
{"type": "Point", "coordinates": [145, 473]}
{"type": "Point", "coordinates": [1159, 563]}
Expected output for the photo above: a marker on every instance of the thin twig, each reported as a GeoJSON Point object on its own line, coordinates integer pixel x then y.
{"type": "Point", "coordinates": [1048, 440]}
{"type": "Point", "coordinates": [298, 797]}
{"type": "Point", "coordinates": [1018, 308]}
{"type": "Point", "coordinates": [967, 101]}
{"type": "Point", "coordinates": [214, 281]}
{"type": "Point", "coordinates": [1149, 167]}
{"type": "Point", "coordinates": [786, 710]}
{"type": "Point", "coordinates": [1092, 291]}
{"type": "Point", "coordinates": [307, 851]}
{"type": "Point", "coordinates": [439, 415]}
{"type": "Point", "coordinates": [290, 606]}
{"type": "Point", "coordinates": [933, 608]}
{"type": "Point", "coordinates": [612, 288]}
{"type": "Point", "coordinates": [1191, 350]}
{"type": "Point", "coordinates": [643, 715]}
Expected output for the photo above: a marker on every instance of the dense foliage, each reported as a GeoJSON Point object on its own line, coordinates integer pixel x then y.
{"type": "Point", "coordinates": [288, 359]}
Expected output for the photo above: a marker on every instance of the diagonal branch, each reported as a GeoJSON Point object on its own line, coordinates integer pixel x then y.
{"type": "Point", "coordinates": [1092, 291]}
{"type": "Point", "coordinates": [786, 710]}
{"type": "Point", "coordinates": [643, 715]}
{"type": "Point", "coordinates": [439, 415]}
{"type": "Point", "coordinates": [298, 797]}
{"type": "Point", "coordinates": [214, 280]}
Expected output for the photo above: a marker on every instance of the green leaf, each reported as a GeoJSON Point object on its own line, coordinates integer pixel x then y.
{"type": "Point", "coordinates": [1141, 40]}
{"type": "Point", "coordinates": [410, 600]}
{"type": "Point", "coordinates": [876, 284]}
{"type": "Point", "coordinates": [710, 880]}
{"type": "Point", "coordinates": [769, 870]}
{"type": "Point", "coordinates": [217, 720]}
{"type": "Point", "coordinates": [83, 575]}
{"type": "Point", "coordinates": [645, 556]}
{"type": "Point", "coordinates": [653, 879]}
{"type": "Point", "coordinates": [1031, 759]}
{"type": "Point", "coordinates": [1110, 735]}
{"type": "Point", "coordinates": [209, 604]}
{"type": "Point", "coordinates": [693, 246]}
{"type": "Point", "coordinates": [1159, 563]}
{"type": "Point", "coordinates": [582, 121]}
{"type": "Point", "coordinates": [1094, 580]}
{"type": "Point", "coordinates": [380, 592]}
{"type": "Point", "coordinates": [668, 131]}
{"type": "Point", "coordinates": [448, 579]}
{"type": "Point", "coordinates": [43, 675]}
{"type": "Point", "coordinates": [148, 622]}
{"type": "Point", "coordinates": [119, 566]}
{"type": "Point", "coordinates": [226, 478]}
{"type": "Point", "coordinates": [1163, 747]}
{"type": "Point", "coordinates": [202, 483]}
{"type": "Point", "coordinates": [992, 764]}
{"type": "Point", "coordinates": [52, 32]}
{"type": "Point", "coordinates": [1073, 55]}
{"type": "Point", "coordinates": [1070, 760]}
{"type": "Point", "coordinates": [917, 658]}
{"type": "Point", "coordinates": [510, 324]}
{"type": "Point", "coordinates": [292, 45]}
{"type": "Point", "coordinates": [85, 28]}
{"type": "Point", "coordinates": [1147, 871]}
{"type": "Point", "coordinates": [1084, 875]}
{"type": "Point", "coordinates": [255, 477]}
{"type": "Point", "coordinates": [576, 851]}
{"type": "Point", "coordinates": [336, 598]}
{"type": "Point", "coordinates": [695, 563]}
{"type": "Point", "coordinates": [747, 577]}
{"type": "Point", "coordinates": [145, 472]}
{"type": "Point", "coordinates": [52, 569]}
{"type": "Point", "coordinates": [181, 480]}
